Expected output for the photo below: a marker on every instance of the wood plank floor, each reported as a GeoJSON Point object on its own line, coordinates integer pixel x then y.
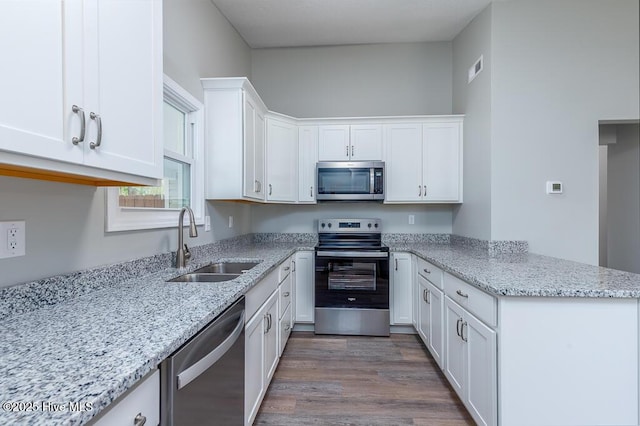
{"type": "Point", "coordinates": [356, 380]}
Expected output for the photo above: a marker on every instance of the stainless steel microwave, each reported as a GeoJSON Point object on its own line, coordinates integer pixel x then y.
{"type": "Point", "coordinates": [350, 181]}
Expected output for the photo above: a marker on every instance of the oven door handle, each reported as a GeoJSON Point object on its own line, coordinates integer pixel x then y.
{"type": "Point", "coordinates": [352, 254]}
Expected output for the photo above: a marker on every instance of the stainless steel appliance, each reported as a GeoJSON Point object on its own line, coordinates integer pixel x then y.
{"type": "Point", "coordinates": [203, 381]}
{"type": "Point", "coordinates": [352, 278]}
{"type": "Point", "coordinates": [350, 181]}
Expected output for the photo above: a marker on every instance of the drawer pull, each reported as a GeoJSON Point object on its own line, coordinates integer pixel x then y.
{"type": "Point", "coordinates": [139, 420]}
{"type": "Point", "coordinates": [287, 327]}
{"type": "Point", "coordinates": [427, 271]}
{"type": "Point", "coordinates": [461, 294]}
{"type": "Point", "coordinates": [286, 294]}
{"type": "Point", "coordinates": [458, 323]}
{"type": "Point", "coordinates": [464, 324]}
{"type": "Point", "coordinates": [286, 268]}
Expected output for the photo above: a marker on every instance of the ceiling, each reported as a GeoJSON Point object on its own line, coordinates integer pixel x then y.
{"type": "Point", "coordinates": [288, 23]}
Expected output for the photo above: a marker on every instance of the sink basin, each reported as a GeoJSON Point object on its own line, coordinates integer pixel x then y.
{"type": "Point", "coordinates": [226, 268]}
{"type": "Point", "coordinates": [204, 278]}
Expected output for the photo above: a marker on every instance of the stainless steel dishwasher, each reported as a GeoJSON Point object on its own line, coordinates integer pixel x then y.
{"type": "Point", "coordinates": [202, 383]}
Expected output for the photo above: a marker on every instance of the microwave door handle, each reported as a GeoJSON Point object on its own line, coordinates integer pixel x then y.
{"type": "Point", "coordinates": [372, 181]}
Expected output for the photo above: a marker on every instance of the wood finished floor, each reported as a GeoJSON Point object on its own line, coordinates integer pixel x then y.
{"type": "Point", "coordinates": [355, 380]}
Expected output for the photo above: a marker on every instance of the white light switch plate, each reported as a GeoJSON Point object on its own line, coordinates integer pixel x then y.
{"type": "Point", "coordinates": [12, 239]}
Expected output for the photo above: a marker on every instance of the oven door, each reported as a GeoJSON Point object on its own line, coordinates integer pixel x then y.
{"type": "Point", "coordinates": [352, 279]}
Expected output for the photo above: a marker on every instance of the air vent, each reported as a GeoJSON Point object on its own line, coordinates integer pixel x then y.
{"type": "Point", "coordinates": [475, 69]}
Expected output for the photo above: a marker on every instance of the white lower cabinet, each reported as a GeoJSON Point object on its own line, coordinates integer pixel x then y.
{"type": "Point", "coordinates": [140, 405]}
{"type": "Point", "coordinates": [304, 283]}
{"type": "Point", "coordinates": [261, 355]}
{"type": "Point", "coordinates": [430, 318]}
{"type": "Point", "coordinates": [401, 285]}
{"type": "Point", "coordinates": [470, 362]}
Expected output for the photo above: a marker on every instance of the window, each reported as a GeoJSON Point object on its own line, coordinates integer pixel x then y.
{"type": "Point", "coordinates": [130, 208]}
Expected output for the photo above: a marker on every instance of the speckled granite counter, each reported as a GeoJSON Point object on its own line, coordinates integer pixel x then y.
{"type": "Point", "coordinates": [525, 274]}
{"type": "Point", "coordinates": [91, 336]}
{"type": "Point", "coordinates": [93, 347]}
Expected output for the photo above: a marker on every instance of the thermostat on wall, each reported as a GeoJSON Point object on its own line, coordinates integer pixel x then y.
{"type": "Point", "coordinates": [554, 187]}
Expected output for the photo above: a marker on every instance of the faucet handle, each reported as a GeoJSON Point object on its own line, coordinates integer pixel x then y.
{"type": "Point", "coordinates": [187, 253]}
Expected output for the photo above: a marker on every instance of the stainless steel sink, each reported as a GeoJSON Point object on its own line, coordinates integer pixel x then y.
{"type": "Point", "coordinates": [204, 278]}
{"type": "Point", "coordinates": [226, 268]}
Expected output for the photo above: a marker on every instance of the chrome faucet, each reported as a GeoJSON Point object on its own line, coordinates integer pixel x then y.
{"type": "Point", "coordinates": [183, 254]}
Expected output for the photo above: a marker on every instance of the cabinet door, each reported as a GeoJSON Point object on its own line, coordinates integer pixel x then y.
{"type": "Point", "coordinates": [333, 144]}
{"type": "Point", "coordinates": [442, 161]}
{"type": "Point", "coordinates": [435, 298]}
{"type": "Point", "coordinates": [403, 157]}
{"type": "Point", "coordinates": [254, 367]}
{"type": "Point", "coordinates": [401, 290]}
{"type": "Point", "coordinates": [285, 327]}
{"type": "Point", "coordinates": [424, 314]}
{"type": "Point", "coordinates": [304, 291]}
{"type": "Point", "coordinates": [455, 355]}
{"type": "Point", "coordinates": [481, 376]}
{"type": "Point", "coordinates": [307, 159]}
{"type": "Point", "coordinates": [259, 154]}
{"type": "Point", "coordinates": [366, 142]}
{"type": "Point", "coordinates": [123, 92]}
{"type": "Point", "coordinates": [253, 150]}
{"type": "Point", "coordinates": [282, 161]}
{"type": "Point", "coordinates": [271, 337]}
{"type": "Point", "coordinates": [144, 399]}
{"type": "Point", "coordinates": [33, 109]}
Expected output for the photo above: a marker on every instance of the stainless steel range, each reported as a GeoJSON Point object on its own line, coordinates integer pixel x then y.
{"type": "Point", "coordinates": [352, 278]}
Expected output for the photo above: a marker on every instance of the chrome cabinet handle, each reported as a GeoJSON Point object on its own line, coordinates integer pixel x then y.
{"type": "Point", "coordinates": [286, 294]}
{"type": "Point", "coordinates": [424, 294]}
{"type": "Point", "coordinates": [293, 262]}
{"type": "Point", "coordinates": [459, 293]}
{"type": "Point", "coordinates": [424, 190]}
{"type": "Point", "coordinates": [287, 328]}
{"type": "Point", "coordinates": [255, 185]}
{"type": "Point", "coordinates": [396, 260]}
{"type": "Point", "coordinates": [428, 298]}
{"type": "Point", "coordinates": [270, 189]}
{"type": "Point", "coordinates": [462, 335]}
{"type": "Point", "coordinates": [458, 323]}
{"type": "Point", "coordinates": [427, 271]}
{"type": "Point", "coordinates": [419, 190]}
{"type": "Point", "coordinates": [96, 117]}
{"type": "Point", "coordinates": [347, 150]}
{"type": "Point", "coordinates": [311, 191]}
{"type": "Point", "coordinates": [286, 268]}
{"type": "Point", "coordinates": [83, 124]}
{"type": "Point", "coordinates": [139, 420]}
{"type": "Point", "coordinates": [352, 154]}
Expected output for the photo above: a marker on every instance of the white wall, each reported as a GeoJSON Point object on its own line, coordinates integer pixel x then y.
{"type": "Point", "coordinates": [395, 218]}
{"type": "Point", "coordinates": [65, 223]}
{"type": "Point", "coordinates": [623, 199]}
{"type": "Point", "coordinates": [360, 80]}
{"type": "Point", "coordinates": [558, 68]}
{"type": "Point", "coordinates": [473, 217]}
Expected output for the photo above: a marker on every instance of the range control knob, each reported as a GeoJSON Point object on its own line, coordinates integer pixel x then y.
{"type": "Point", "coordinates": [376, 225]}
{"type": "Point", "coordinates": [322, 225]}
{"type": "Point", "coordinates": [369, 225]}
{"type": "Point", "coordinates": [329, 224]}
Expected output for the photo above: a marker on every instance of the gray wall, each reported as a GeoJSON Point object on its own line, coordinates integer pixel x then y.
{"type": "Point", "coordinates": [558, 68]}
{"type": "Point", "coordinates": [360, 80]}
{"type": "Point", "coordinates": [473, 217]}
{"type": "Point", "coordinates": [283, 218]}
{"type": "Point", "coordinates": [65, 223]}
{"type": "Point", "coordinates": [623, 200]}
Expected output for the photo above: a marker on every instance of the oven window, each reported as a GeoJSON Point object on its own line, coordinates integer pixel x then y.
{"type": "Point", "coordinates": [352, 276]}
{"type": "Point", "coordinates": [344, 181]}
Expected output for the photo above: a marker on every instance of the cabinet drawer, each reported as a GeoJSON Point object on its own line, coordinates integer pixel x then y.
{"type": "Point", "coordinates": [285, 329]}
{"type": "Point", "coordinates": [285, 294]}
{"type": "Point", "coordinates": [284, 269]}
{"type": "Point", "coordinates": [476, 301]}
{"type": "Point", "coordinates": [430, 272]}
{"type": "Point", "coordinates": [257, 295]}
{"type": "Point", "coordinates": [143, 400]}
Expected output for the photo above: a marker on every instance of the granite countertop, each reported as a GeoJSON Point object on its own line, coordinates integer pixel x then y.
{"type": "Point", "coordinates": [526, 274]}
{"type": "Point", "coordinates": [90, 337]}
{"type": "Point", "coordinates": [93, 347]}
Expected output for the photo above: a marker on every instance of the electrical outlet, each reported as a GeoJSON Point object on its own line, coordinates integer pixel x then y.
{"type": "Point", "coordinates": [12, 239]}
{"type": "Point", "coordinates": [230, 221]}
{"type": "Point", "coordinates": [207, 223]}
{"type": "Point", "coordinates": [412, 219]}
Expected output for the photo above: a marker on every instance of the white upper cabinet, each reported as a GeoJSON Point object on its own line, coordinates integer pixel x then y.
{"type": "Point", "coordinates": [282, 160]}
{"type": "Point", "coordinates": [355, 142]}
{"type": "Point", "coordinates": [366, 142]}
{"type": "Point", "coordinates": [307, 159]}
{"type": "Point", "coordinates": [82, 88]}
{"type": "Point", "coordinates": [234, 140]}
{"type": "Point", "coordinates": [424, 161]}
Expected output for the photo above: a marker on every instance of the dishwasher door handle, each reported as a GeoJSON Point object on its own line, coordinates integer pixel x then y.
{"type": "Point", "coordinates": [192, 373]}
